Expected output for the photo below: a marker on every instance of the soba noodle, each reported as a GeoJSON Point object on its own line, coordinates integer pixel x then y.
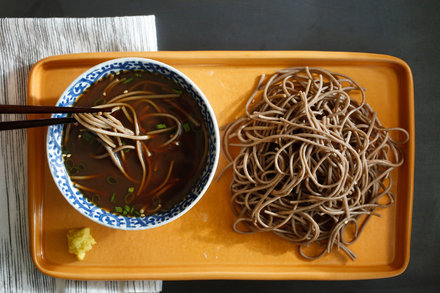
{"type": "Point", "coordinates": [106, 127]}
{"type": "Point", "coordinates": [313, 161]}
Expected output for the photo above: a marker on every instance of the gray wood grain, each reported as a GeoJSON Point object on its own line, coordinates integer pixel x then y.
{"type": "Point", "coordinates": [22, 43]}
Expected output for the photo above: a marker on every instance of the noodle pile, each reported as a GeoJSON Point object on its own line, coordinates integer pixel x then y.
{"type": "Point", "coordinates": [313, 162]}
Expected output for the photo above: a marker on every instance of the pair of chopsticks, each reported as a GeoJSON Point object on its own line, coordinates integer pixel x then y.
{"type": "Point", "coordinates": [27, 109]}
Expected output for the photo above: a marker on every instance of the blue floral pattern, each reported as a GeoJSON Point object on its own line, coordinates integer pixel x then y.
{"type": "Point", "coordinates": [74, 196]}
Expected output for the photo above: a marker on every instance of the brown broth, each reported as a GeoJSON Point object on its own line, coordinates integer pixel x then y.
{"type": "Point", "coordinates": [188, 155]}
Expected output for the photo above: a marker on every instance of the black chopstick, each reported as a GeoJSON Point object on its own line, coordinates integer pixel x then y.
{"type": "Point", "coordinates": [21, 109]}
{"type": "Point", "coordinates": [27, 109]}
{"type": "Point", "coordinates": [9, 125]}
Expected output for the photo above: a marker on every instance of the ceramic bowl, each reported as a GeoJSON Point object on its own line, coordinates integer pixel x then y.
{"type": "Point", "coordinates": [74, 196]}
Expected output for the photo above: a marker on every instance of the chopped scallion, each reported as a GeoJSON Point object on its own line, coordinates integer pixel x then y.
{"type": "Point", "coordinates": [96, 198]}
{"type": "Point", "coordinates": [129, 197]}
{"type": "Point", "coordinates": [131, 189]}
{"type": "Point", "coordinates": [186, 127]}
{"type": "Point", "coordinates": [118, 209]}
{"type": "Point", "coordinates": [138, 75]}
{"type": "Point", "coordinates": [156, 200]}
{"type": "Point", "coordinates": [179, 92]}
{"type": "Point", "coordinates": [112, 180]}
{"type": "Point", "coordinates": [69, 163]}
{"type": "Point", "coordinates": [99, 101]}
{"type": "Point", "coordinates": [161, 126]}
{"type": "Point", "coordinates": [73, 170]}
{"type": "Point", "coordinates": [87, 136]}
{"type": "Point", "coordinates": [127, 80]}
{"type": "Point", "coordinates": [112, 199]}
{"type": "Point", "coordinates": [125, 150]}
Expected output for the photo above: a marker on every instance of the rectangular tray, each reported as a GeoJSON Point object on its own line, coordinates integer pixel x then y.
{"type": "Point", "coordinates": [201, 244]}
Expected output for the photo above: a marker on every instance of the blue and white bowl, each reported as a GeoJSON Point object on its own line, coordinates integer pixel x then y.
{"type": "Point", "coordinates": [74, 196]}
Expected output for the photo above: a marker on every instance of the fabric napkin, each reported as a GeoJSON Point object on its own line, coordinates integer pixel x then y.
{"type": "Point", "coordinates": [24, 41]}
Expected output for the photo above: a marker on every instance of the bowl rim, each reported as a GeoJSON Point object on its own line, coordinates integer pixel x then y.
{"type": "Point", "coordinates": [216, 134]}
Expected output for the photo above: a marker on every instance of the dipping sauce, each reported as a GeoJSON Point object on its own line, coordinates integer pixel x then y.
{"type": "Point", "coordinates": [137, 177]}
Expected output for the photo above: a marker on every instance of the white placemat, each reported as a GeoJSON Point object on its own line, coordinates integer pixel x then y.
{"type": "Point", "coordinates": [24, 41]}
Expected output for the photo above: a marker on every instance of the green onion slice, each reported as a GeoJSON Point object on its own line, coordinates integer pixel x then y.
{"type": "Point", "coordinates": [161, 126]}
{"type": "Point", "coordinates": [99, 101]}
{"type": "Point", "coordinates": [186, 127]}
{"type": "Point", "coordinates": [73, 170]}
{"type": "Point", "coordinates": [87, 136]}
{"type": "Point", "coordinates": [129, 197]}
{"type": "Point", "coordinates": [96, 198]}
{"type": "Point", "coordinates": [111, 180]}
{"type": "Point", "coordinates": [127, 80]}
{"type": "Point", "coordinates": [69, 163]}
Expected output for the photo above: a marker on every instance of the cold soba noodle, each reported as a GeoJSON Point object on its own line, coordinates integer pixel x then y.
{"type": "Point", "coordinates": [313, 162]}
{"type": "Point", "coordinates": [144, 156]}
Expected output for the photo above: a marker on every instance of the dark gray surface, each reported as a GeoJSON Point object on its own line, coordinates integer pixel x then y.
{"type": "Point", "coordinates": [406, 29]}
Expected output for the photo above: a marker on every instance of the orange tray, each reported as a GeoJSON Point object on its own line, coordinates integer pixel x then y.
{"type": "Point", "coordinates": [201, 244]}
